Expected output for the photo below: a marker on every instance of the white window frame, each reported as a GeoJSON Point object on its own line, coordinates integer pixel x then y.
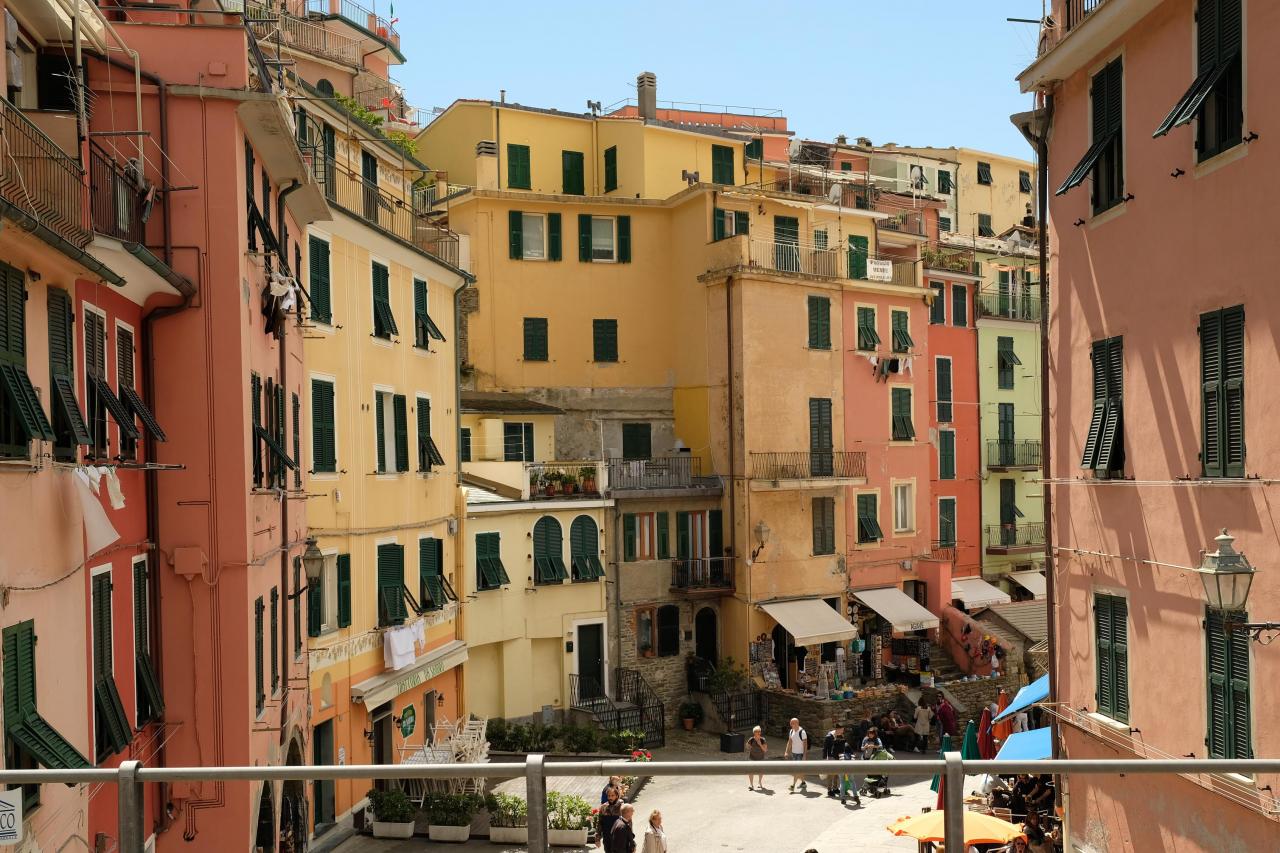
{"type": "Point", "coordinates": [525, 217]}
{"type": "Point", "coordinates": [108, 349]}
{"type": "Point", "coordinates": [908, 525]}
{"type": "Point", "coordinates": [329, 587]}
{"type": "Point", "coordinates": [384, 397]}
{"type": "Point", "coordinates": [613, 239]}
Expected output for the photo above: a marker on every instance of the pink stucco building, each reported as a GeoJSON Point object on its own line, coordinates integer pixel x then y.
{"type": "Point", "coordinates": [1162, 363]}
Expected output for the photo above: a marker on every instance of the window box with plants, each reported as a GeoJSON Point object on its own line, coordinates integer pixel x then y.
{"type": "Point", "coordinates": [690, 714]}
{"type": "Point", "coordinates": [508, 819]}
{"type": "Point", "coordinates": [393, 813]}
{"type": "Point", "coordinates": [450, 816]}
{"type": "Point", "coordinates": [568, 819]}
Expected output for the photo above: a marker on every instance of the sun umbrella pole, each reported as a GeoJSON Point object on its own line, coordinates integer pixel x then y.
{"type": "Point", "coordinates": [954, 810]}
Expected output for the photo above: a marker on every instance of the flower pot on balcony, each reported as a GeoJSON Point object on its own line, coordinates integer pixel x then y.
{"type": "Point", "coordinates": [449, 833]}
{"type": "Point", "coordinates": [567, 837]}
{"type": "Point", "coordinates": [509, 834]}
{"type": "Point", "coordinates": [386, 829]}
{"type": "Point", "coordinates": [589, 485]}
{"type": "Point", "coordinates": [549, 490]}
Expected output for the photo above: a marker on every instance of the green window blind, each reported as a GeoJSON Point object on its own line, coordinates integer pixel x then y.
{"type": "Point", "coordinates": [819, 322]}
{"type": "Point", "coordinates": [629, 536]}
{"type": "Point", "coordinates": [324, 450]}
{"type": "Point", "coordinates": [548, 551]}
{"type": "Point", "coordinates": [517, 442]}
{"type": "Point", "coordinates": [275, 640]}
{"type": "Point", "coordinates": [664, 535]}
{"type": "Point", "coordinates": [902, 341]}
{"type": "Point", "coordinates": [584, 237]}
{"type": "Point", "coordinates": [944, 223]}
{"type": "Point", "coordinates": [429, 456]}
{"type": "Point", "coordinates": [824, 526]}
{"type": "Point", "coordinates": [946, 454]}
{"type": "Point", "coordinates": [1222, 446]}
{"type": "Point", "coordinates": [68, 423]}
{"type": "Point", "coordinates": [400, 407]}
{"type": "Point", "coordinates": [859, 248]}
{"type": "Point", "coordinates": [1111, 649]}
{"type": "Point", "coordinates": [1024, 181]}
{"type": "Point", "coordinates": [535, 338]}
{"type": "Point", "coordinates": [715, 533]}
{"type": "Point", "coordinates": [22, 418]}
{"type": "Point", "coordinates": [259, 680]}
{"type": "Point", "coordinates": [518, 177]}
{"type": "Point", "coordinates": [1102, 158]}
{"type": "Point", "coordinates": [391, 605]}
{"type": "Point", "coordinates": [297, 607]}
{"type": "Point", "coordinates": [318, 281]}
{"type": "Point", "coordinates": [821, 455]}
{"type": "Point", "coordinates": [611, 168]}
{"type": "Point", "coordinates": [149, 702]}
{"type": "Point", "coordinates": [959, 305]}
{"type": "Point", "coordinates": [869, 519]}
{"type": "Point", "coordinates": [256, 431]}
{"type": "Point", "coordinates": [624, 239]}
{"type": "Point", "coordinates": [942, 384]}
{"type": "Point", "coordinates": [984, 173]}
{"type": "Point", "coordinates": [604, 336]}
{"type": "Point", "coordinates": [753, 150]}
{"type": "Point", "coordinates": [1229, 687]}
{"type": "Point", "coordinates": [433, 589]}
{"type": "Point", "coordinates": [900, 401]}
{"type": "Point", "coordinates": [343, 565]}
{"type": "Point", "coordinates": [554, 252]}
{"type": "Point", "coordinates": [112, 731]}
{"type": "Point", "coordinates": [464, 444]}
{"type": "Point", "coordinates": [868, 338]}
{"type": "Point", "coordinates": [938, 308]}
{"type": "Point", "coordinates": [515, 234]}
{"type": "Point", "coordinates": [28, 731]}
{"type": "Point", "coordinates": [384, 321]}
{"type": "Point", "coordinates": [722, 164]}
{"type": "Point", "coordinates": [1006, 359]}
{"type": "Point", "coordinates": [947, 522]}
{"type": "Point", "coordinates": [944, 181]}
{"type": "Point", "coordinates": [584, 549]}
{"type": "Point", "coordinates": [490, 573]}
{"type": "Point", "coordinates": [1216, 94]}
{"type": "Point", "coordinates": [684, 535]}
{"type": "Point", "coordinates": [424, 328]}
{"type": "Point", "coordinates": [637, 441]}
{"type": "Point", "coordinates": [571, 164]}
{"type": "Point", "coordinates": [984, 225]}
{"type": "Point", "coordinates": [1104, 442]}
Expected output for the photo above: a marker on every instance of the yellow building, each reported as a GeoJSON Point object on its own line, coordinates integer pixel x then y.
{"type": "Point", "coordinates": [992, 192]}
{"type": "Point", "coordinates": [385, 647]}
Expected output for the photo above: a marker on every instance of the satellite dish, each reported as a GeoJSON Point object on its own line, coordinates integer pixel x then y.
{"type": "Point", "coordinates": [793, 149]}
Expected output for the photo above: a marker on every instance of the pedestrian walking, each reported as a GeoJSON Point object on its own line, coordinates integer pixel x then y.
{"type": "Point", "coordinates": [757, 750]}
{"type": "Point", "coordinates": [655, 839]}
{"type": "Point", "coordinates": [923, 725]}
{"type": "Point", "coordinates": [623, 836]}
{"type": "Point", "coordinates": [947, 717]}
{"type": "Point", "coordinates": [614, 782]}
{"type": "Point", "coordinates": [797, 746]}
{"type": "Point", "coordinates": [607, 816]}
{"type": "Point", "coordinates": [833, 746]}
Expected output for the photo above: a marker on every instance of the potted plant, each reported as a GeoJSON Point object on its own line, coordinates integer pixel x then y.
{"type": "Point", "coordinates": [535, 480]}
{"type": "Point", "coordinates": [508, 819]}
{"type": "Point", "coordinates": [568, 819]}
{"type": "Point", "coordinates": [587, 474]}
{"type": "Point", "coordinates": [392, 813]}
{"type": "Point", "coordinates": [550, 482]}
{"type": "Point", "coordinates": [450, 816]}
{"type": "Point", "coordinates": [690, 715]}
{"type": "Point", "coordinates": [570, 482]}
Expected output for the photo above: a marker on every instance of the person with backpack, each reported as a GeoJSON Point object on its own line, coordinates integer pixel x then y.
{"type": "Point", "coordinates": [797, 746]}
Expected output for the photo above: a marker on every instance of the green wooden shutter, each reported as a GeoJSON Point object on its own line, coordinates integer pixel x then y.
{"type": "Point", "coordinates": [947, 521]}
{"type": "Point", "coordinates": [584, 237]}
{"type": "Point", "coordinates": [68, 422]}
{"type": "Point", "coordinates": [141, 617]}
{"type": "Point", "coordinates": [946, 455]}
{"type": "Point", "coordinates": [515, 235]}
{"type": "Point", "coordinates": [401, 408]}
{"type": "Point", "coordinates": [535, 338]}
{"type": "Point", "coordinates": [819, 322]}
{"type": "Point", "coordinates": [938, 308]}
{"type": "Point", "coordinates": [260, 695]}
{"type": "Point", "coordinates": [722, 164]}
{"type": "Point", "coordinates": [858, 249]}
{"type": "Point", "coordinates": [959, 305]}
{"type": "Point", "coordinates": [718, 231]}
{"type": "Point", "coordinates": [664, 536]}
{"type": "Point", "coordinates": [518, 176]}
{"type": "Point", "coordinates": [741, 222]}
{"type": "Point", "coordinates": [715, 533]}
{"type": "Point", "coordinates": [819, 535]}
{"type": "Point", "coordinates": [61, 343]}
{"type": "Point", "coordinates": [553, 237]}
{"type": "Point", "coordinates": [629, 537]}
{"type": "Point", "coordinates": [1105, 691]}
{"type": "Point", "coordinates": [1211, 393]}
{"type": "Point", "coordinates": [1233, 442]}
{"type": "Point", "coordinates": [344, 590]}
{"type": "Point", "coordinates": [572, 172]}
{"type": "Point", "coordinates": [819, 425]}
{"type": "Point", "coordinates": [420, 327]}
{"type": "Point", "coordinates": [315, 607]}
{"type": "Point", "coordinates": [942, 367]}
{"type": "Point", "coordinates": [324, 456]}
{"type": "Point", "coordinates": [391, 607]}
{"type": "Point", "coordinates": [275, 639]}
{"type": "Point", "coordinates": [1120, 656]}
{"type": "Point", "coordinates": [611, 168]}
{"type": "Point", "coordinates": [379, 428]}
{"type": "Point", "coordinates": [605, 340]}
{"type": "Point", "coordinates": [319, 281]}
{"type": "Point", "coordinates": [13, 307]}
{"type": "Point", "coordinates": [1238, 684]}
{"type": "Point", "coordinates": [19, 670]}
{"type": "Point", "coordinates": [684, 543]}
{"type": "Point", "coordinates": [624, 239]}
{"type": "Point", "coordinates": [1218, 710]}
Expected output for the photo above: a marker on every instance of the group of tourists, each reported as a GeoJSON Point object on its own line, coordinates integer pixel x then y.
{"type": "Point", "coordinates": [615, 829]}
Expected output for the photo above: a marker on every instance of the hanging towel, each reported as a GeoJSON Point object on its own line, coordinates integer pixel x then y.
{"type": "Point", "coordinates": [95, 478]}
{"type": "Point", "coordinates": [98, 530]}
{"type": "Point", "coordinates": [420, 632]}
{"type": "Point", "coordinates": [113, 488]}
{"type": "Point", "coordinates": [397, 647]}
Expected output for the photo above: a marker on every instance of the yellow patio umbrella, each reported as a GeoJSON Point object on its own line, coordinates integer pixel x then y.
{"type": "Point", "coordinates": [978, 828]}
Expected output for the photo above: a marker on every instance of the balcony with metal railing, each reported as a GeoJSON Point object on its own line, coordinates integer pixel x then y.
{"type": "Point", "coordinates": [40, 179]}
{"type": "Point", "coordinates": [702, 574]}
{"type": "Point", "coordinates": [830, 262]}
{"type": "Point", "coordinates": [357, 15]}
{"type": "Point", "coordinates": [1006, 305]}
{"type": "Point", "coordinates": [586, 480]}
{"type": "Point", "coordinates": [1008, 455]}
{"type": "Point", "coordinates": [115, 200]}
{"type": "Point", "coordinates": [800, 467]}
{"type": "Point", "coordinates": [1015, 538]}
{"type": "Point", "coordinates": [278, 26]}
{"type": "Point", "coordinates": [659, 473]}
{"type": "Point", "coordinates": [936, 256]}
{"type": "Point", "coordinates": [906, 222]}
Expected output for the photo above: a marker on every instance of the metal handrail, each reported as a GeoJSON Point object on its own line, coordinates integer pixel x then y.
{"type": "Point", "coordinates": [1009, 305]}
{"type": "Point", "coordinates": [300, 34]}
{"type": "Point", "coordinates": [1013, 454]}
{"type": "Point", "coordinates": [804, 465]}
{"type": "Point", "coordinates": [826, 261]}
{"type": "Point", "coordinates": [659, 472]}
{"type": "Point", "coordinates": [935, 256]}
{"type": "Point", "coordinates": [131, 776]}
{"type": "Point", "coordinates": [1029, 535]}
{"type": "Point", "coordinates": [702, 573]}
{"type": "Point", "coordinates": [356, 14]}
{"type": "Point", "coordinates": [40, 178]}
{"type": "Point", "coordinates": [115, 202]}
{"type": "Point", "coordinates": [903, 222]}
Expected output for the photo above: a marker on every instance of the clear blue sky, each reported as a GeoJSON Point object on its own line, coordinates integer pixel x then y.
{"type": "Point", "coordinates": [919, 72]}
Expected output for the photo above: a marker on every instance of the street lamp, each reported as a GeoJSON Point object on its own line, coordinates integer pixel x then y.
{"type": "Point", "coordinates": [1227, 576]}
{"type": "Point", "coordinates": [762, 538]}
{"type": "Point", "coordinates": [312, 561]}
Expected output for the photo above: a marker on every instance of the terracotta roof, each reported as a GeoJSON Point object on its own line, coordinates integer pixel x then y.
{"type": "Point", "coordinates": [500, 402]}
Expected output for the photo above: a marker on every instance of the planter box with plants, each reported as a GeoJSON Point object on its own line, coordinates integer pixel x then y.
{"type": "Point", "coordinates": [690, 714]}
{"type": "Point", "coordinates": [568, 819]}
{"type": "Point", "coordinates": [392, 813]}
{"type": "Point", "coordinates": [450, 815]}
{"type": "Point", "coordinates": [508, 819]}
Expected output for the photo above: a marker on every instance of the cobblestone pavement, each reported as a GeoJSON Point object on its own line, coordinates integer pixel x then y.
{"type": "Point", "coordinates": [718, 813]}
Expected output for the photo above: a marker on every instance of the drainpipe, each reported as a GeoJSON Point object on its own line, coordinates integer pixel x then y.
{"type": "Point", "coordinates": [733, 444]}
{"type": "Point", "coordinates": [1042, 168]}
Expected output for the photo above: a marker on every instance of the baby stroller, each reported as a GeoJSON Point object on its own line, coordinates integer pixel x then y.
{"type": "Point", "coordinates": [877, 786]}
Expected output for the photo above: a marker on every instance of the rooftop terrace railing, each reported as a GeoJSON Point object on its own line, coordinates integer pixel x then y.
{"type": "Point", "coordinates": [356, 14]}
{"type": "Point", "coordinates": [40, 178]}
{"type": "Point", "coordinates": [830, 262]}
{"type": "Point", "coordinates": [131, 777]}
{"type": "Point", "coordinates": [300, 34]}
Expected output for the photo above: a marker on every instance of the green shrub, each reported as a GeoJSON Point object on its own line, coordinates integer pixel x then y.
{"type": "Point", "coordinates": [728, 677]}
{"type": "Point", "coordinates": [498, 734]}
{"type": "Point", "coordinates": [691, 711]}
{"type": "Point", "coordinates": [622, 742]}
{"type": "Point", "coordinates": [540, 738]}
{"type": "Point", "coordinates": [507, 810]}
{"type": "Point", "coordinates": [581, 738]}
{"type": "Point", "coordinates": [452, 809]}
{"type": "Point", "coordinates": [567, 811]}
{"type": "Point", "coordinates": [390, 806]}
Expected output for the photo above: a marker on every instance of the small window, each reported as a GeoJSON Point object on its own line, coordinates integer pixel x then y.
{"type": "Point", "coordinates": [868, 519]}
{"type": "Point", "coordinates": [1222, 392]}
{"type": "Point", "coordinates": [429, 457]}
{"type": "Point", "coordinates": [902, 341]}
{"type": "Point", "coordinates": [392, 608]}
{"type": "Point", "coordinates": [984, 173]}
{"type": "Point", "coordinates": [722, 164]}
{"type": "Point", "coordinates": [637, 441]}
{"type": "Point", "coordinates": [944, 224]}
{"type": "Point", "coordinates": [728, 223]}
{"type": "Point", "coordinates": [942, 388]}
{"type": "Point", "coordinates": [1104, 157]}
{"type": "Point", "coordinates": [517, 442]}
{"type": "Point", "coordinates": [824, 525]}
{"type": "Point", "coordinates": [947, 522]}
{"type": "Point", "coordinates": [819, 322]}
{"type": "Point", "coordinates": [535, 338]}
{"type": "Point", "coordinates": [1111, 650]}
{"type": "Point", "coordinates": [324, 448]}
{"type": "Point", "coordinates": [646, 637]}
{"type": "Point", "coordinates": [518, 177]}
{"type": "Point", "coordinates": [548, 552]}
{"type": "Point", "coordinates": [384, 321]}
{"type": "Point", "coordinates": [490, 572]}
{"type": "Point", "coordinates": [903, 428]}
{"type": "Point", "coordinates": [584, 548]}
{"type": "Point", "coordinates": [946, 454]}
{"type": "Point", "coordinates": [391, 427]}
{"type": "Point", "coordinates": [944, 182]}
{"type": "Point", "coordinates": [533, 235]}
{"type": "Point", "coordinates": [464, 444]}
{"type": "Point", "coordinates": [1024, 181]}
{"type": "Point", "coordinates": [424, 328]}
{"type": "Point", "coordinates": [868, 338]}
{"type": "Point", "coordinates": [959, 304]}
{"type": "Point", "coordinates": [604, 340]}
{"type": "Point", "coordinates": [603, 243]}
{"type": "Point", "coordinates": [938, 308]}
{"type": "Point", "coordinates": [641, 533]}
{"type": "Point", "coordinates": [846, 166]}
{"type": "Point", "coordinates": [903, 508]}
{"type": "Point", "coordinates": [753, 150]}
{"type": "Point", "coordinates": [1006, 359]}
{"type": "Point", "coordinates": [573, 178]}
{"type": "Point", "coordinates": [611, 168]}
{"type": "Point", "coordinates": [319, 281]}
{"type": "Point", "coordinates": [984, 225]}
{"type": "Point", "coordinates": [434, 589]}
{"type": "Point", "coordinates": [1104, 442]}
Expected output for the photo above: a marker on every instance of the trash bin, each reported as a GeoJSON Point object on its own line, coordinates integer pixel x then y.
{"type": "Point", "coordinates": [732, 742]}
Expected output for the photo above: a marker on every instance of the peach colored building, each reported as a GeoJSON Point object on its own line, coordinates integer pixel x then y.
{"type": "Point", "coordinates": [1162, 362]}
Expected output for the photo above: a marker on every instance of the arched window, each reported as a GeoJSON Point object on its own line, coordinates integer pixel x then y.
{"type": "Point", "coordinates": [324, 87]}
{"type": "Point", "coordinates": [548, 551]}
{"type": "Point", "coordinates": [584, 549]}
{"type": "Point", "coordinates": [668, 631]}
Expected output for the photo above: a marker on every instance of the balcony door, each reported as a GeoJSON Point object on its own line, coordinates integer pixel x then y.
{"type": "Point", "coordinates": [786, 243]}
{"type": "Point", "coordinates": [369, 177]}
{"type": "Point", "coordinates": [1005, 297]}
{"type": "Point", "coordinates": [821, 457]}
{"type": "Point", "coordinates": [591, 660]}
{"type": "Point", "coordinates": [1004, 421]}
{"type": "Point", "coordinates": [323, 791]}
{"type": "Point", "coordinates": [859, 248]}
{"type": "Point", "coordinates": [1008, 512]}
{"type": "Point", "coordinates": [330, 166]}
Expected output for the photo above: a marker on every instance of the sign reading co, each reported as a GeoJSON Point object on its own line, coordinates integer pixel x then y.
{"type": "Point", "coordinates": [11, 816]}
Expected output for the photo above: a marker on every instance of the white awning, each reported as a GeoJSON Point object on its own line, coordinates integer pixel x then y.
{"type": "Point", "coordinates": [898, 608]}
{"type": "Point", "coordinates": [1031, 581]}
{"type": "Point", "coordinates": [387, 686]}
{"type": "Point", "coordinates": [811, 621]}
{"type": "Point", "coordinates": [975, 592]}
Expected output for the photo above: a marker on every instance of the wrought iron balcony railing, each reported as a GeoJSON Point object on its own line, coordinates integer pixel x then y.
{"type": "Point", "coordinates": [1002, 537]}
{"type": "Point", "coordinates": [903, 222]}
{"type": "Point", "coordinates": [831, 262]}
{"type": "Point", "coordinates": [936, 256]}
{"type": "Point", "coordinates": [1009, 305]}
{"type": "Point", "coordinates": [803, 465]}
{"type": "Point", "coordinates": [548, 480]}
{"type": "Point", "coordinates": [41, 179]}
{"type": "Point", "coordinates": [682, 471]}
{"type": "Point", "coordinates": [1013, 454]}
{"type": "Point", "coordinates": [702, 573]}
{"type": "Point", "coordinates": [115, 199]}
{"type": "Point", "coordinates": [267, 23]}
{"type": "Point", "coordinates": [1078, 10]}
{"type": "Point", "coordinates": [358, 15]}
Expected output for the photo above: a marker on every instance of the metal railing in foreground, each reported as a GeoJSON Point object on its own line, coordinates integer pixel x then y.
{"type": "Point", "coordinates": [130, 777]}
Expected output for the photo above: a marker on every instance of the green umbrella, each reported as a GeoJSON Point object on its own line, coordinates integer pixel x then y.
{"type": "Point", "coordinates": [969, 748]}
{"type": "Point", "coordinates": [943, 747]}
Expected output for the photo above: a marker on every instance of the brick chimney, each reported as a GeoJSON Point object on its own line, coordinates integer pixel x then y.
{"type": "Point", "coordinates": [486, 165]}
{"type": "Point", "coordinates": [647, 94]}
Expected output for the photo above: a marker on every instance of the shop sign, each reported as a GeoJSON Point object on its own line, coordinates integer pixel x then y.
{"type": "Point", "coordinates": [407, 721]}
{"type": "Point", "coordinates": [11, 816]}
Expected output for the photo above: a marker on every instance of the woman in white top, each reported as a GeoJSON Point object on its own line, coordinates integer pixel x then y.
{"type": "Point", "coordinates": [655, 840]}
